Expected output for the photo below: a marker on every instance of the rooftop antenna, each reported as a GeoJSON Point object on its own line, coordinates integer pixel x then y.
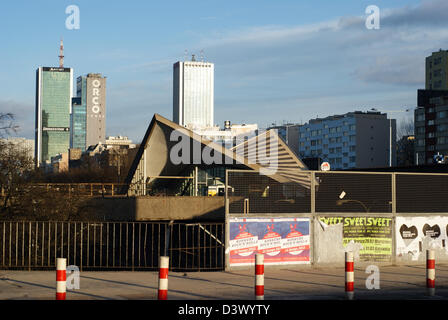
{"type": "Point", "coordinates": [185, 55]}
{"type": "Point", "coordinates": [61, 54]}
{"type": "Point", "coordinates": [193, 57]}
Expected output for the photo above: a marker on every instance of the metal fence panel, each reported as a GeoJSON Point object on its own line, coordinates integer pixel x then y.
{"type": "Point", "coordinates": [111, 245]}
{"type": "Point", "coordinates": [353, 192]}
{"type": "Point", "coordinates": [422, 193]}
{"type": "Point", "coordinates": [251, 192]}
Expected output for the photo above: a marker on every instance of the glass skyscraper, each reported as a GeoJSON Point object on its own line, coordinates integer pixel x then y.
{"type": "Point", "coordinates": [78, 124]}
{"type": "Point", "coordinates": [54, 91]}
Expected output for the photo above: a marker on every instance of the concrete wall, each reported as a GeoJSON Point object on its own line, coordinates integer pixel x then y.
{"type": "Point", "coordinates": [327, 240]}
{"type": "Point", "coordinates": [146, 208]}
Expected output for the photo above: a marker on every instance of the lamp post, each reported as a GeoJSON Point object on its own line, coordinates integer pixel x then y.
{"type": "Point", "coordinates": [342, 201]}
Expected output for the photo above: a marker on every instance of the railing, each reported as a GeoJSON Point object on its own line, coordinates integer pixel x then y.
{"type": "Point", "coordinates": [78, 189]}
{"type": "Point", "coordinates": [112, 245]}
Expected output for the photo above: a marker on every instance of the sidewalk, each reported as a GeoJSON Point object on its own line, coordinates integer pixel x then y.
{"type": "Point", "coordinates": [292, 283]}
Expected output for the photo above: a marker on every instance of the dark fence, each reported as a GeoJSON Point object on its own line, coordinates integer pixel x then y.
{"type": "Point", "coordinates": [112, 245]}
{"type": "Point", "coordinates": [333, 192]}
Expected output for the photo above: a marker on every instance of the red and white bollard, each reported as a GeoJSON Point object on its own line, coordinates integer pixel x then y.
{"type": "Point", "coordinates": [430, 272]}
{"type": "Point", "coordinates": [61, 278]}
{"type": "Point", "coordinates": [349, 275]}
{"type": "Point", "coordinates": [164, 263]}
{"type": "Point", "coordinates": [259, 276]}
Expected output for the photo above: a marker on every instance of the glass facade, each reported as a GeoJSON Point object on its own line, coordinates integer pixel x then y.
{"type": "Point", "coordinates": [78, 125]}
{"type": "Point", "coordinates": [53, 112]}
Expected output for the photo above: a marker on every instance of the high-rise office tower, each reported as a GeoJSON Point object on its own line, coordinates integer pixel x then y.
{"type": "Point", "coordinates": [54, 91]}
{"type": "Point", "coordinates": [193, 93]}
{"type": "Point", "coordinates": [88, 118]}
{"type": "Point", "coordinates": [437, 71]}
{"type": "Point", "coordinates": [78, 125]}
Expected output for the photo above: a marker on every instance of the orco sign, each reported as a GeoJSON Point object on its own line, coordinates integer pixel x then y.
{"type": "Point", "coordinates": [96, 96]}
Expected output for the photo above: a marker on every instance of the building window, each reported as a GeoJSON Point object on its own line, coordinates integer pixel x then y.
{"type": "Point", "coordinates": [352, 159]}
{"type": "Point", "coordinates": [420, 117]}
{"type": "Point", "coordinates": [431, 135]}
{"type": "Point", "coordinates": [430, 122]}
{"type": "Point", "coordinates": [352, 148]}
{"type": "Point", "coordinates": [441, 114]}
{"type": "Point", "coordinates": [353, 127]}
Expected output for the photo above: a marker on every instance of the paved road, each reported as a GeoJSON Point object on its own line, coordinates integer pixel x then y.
{"type": "Point", "coordinates": [292, 283]}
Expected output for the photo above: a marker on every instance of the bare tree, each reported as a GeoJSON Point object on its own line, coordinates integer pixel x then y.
{"type": "Point", "coordinates": [7, 124]}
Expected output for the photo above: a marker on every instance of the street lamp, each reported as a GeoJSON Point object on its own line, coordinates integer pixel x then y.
{"type": "Point", "coordinates": [342, 201]}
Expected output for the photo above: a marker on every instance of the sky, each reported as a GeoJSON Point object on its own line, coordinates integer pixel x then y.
{"type": "Point", "coordinates": [275, 61]}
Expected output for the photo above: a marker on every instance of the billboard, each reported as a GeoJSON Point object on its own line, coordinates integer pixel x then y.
{"type": "Point", "coordinates": [411, 232]}
{"type": "Point", "coordinates": [281, 240]}
{"type": "Point", "coordinates": [373, 233]}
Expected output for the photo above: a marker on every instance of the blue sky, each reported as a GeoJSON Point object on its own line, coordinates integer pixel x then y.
{"type": "Point", "coordinates": [275, 61]}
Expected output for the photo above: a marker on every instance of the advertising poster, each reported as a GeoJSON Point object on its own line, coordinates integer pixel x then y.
{"type": "Point", "coordinates": [373, 233]}
{"type": "Point", "coordinates": [281, 240]}
{"type": "Point", "coordinates": [412, 231]}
